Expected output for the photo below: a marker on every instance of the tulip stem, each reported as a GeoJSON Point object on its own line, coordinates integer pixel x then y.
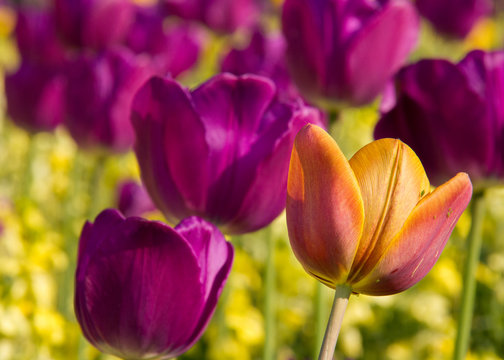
{"type": "Point", "coordinates": [341, 297]}
{"type": "Point", "coordinates": [469, 284]}
{"type": "Point", "coordinates": [320, 311]}
{"type": "Point", "coordinates": [269, 298]}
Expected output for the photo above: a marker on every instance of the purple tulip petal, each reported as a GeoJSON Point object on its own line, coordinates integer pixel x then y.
{"type": "Point", "coordinates": [97, 24]}
{"type": "Point", "coordinates": [389, 37]}
{"type": "Point", "coordinates": [99, 97]}
{"type": "Point", "coordinates": [157, 110]}
{"type": "Point", "coordinates": [215, 259]}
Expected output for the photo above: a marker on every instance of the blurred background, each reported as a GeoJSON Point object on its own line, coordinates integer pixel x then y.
{"type": "Point", "coordinates": [49, 186]}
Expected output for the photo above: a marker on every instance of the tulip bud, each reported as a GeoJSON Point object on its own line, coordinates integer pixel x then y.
{"type": "Point", "coordinates": [370, 223]}
{"type": "Point", "coordinates": [144, 290]}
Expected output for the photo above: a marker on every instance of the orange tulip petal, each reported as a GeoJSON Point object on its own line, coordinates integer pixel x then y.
{"type": "Point", "coordinates": [417, 247]}
{"type": "Point", "coordinates": [392, 181]}
{"type": "Point", "coordinates": [325, 212]}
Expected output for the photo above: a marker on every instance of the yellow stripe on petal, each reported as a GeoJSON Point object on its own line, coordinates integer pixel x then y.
{"type": "Point", "coordinates": [324, 208]}
{"type": "Point", "coordinates": [418, 245]}
{"type": "Point", "coordinates": [392, 181]}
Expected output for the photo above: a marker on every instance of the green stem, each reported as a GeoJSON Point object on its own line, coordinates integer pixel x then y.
{"type": "Point", "coordinates": [469, 285]}
{"type": "Point", "coordinates": [320, 317]}
{"type": "Point", "coordinates": [269, 299]}
{"type": "Point", "coordinates": [341, 297]}
{"type": "Point", "coordinates": [95, 186]}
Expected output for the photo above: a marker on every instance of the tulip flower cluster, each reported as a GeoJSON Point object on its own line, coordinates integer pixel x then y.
{"type": "Point", "coordinates": [229, 155]}
{"type": "Point", "coordinates": [77, 71]}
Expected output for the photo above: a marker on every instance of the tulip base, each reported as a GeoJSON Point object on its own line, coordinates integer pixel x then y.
{"type": "Point", "coordinates": [340, 303]}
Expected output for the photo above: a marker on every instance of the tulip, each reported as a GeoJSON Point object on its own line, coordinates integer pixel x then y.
{"type": "Point", "coordinates": [265, 56]}
{"type": "Point", "coordinates": [220, 152]}
{"type": "Point", "coordinates": [454, 17]}
{"type": "Point", "coordinates": [173, 47]}
{"type": "Point", "coordinates": [37, 38]}
{"type": "Point", "coordinates": [144, 290]}
{"type": "Point", "coordinates": [35, 96]}
{"type": "Point", "coordinates": [371, 223]}
{"type": "Point", "coordinates": [344, 52]}
{"type": "Point", "coordinates": [134, 199]}
{"type": "Point", "coordinates": [100, 91]}
{"type": "Point", "coordinates": [452, 115]}
{"type": "Point", "coordinates": [95, 24]}
{"type": "Point", "coordinates": [220, 15]}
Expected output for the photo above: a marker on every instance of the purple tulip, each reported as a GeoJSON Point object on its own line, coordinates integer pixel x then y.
{"type": "Point", "coordinates": [173, 47]}
{"type": "Point", "coordinates": [144, 290]}
{"type": "Point", "coordinates": [134, 199]}
{"type": "Point", "coordinates": [36, 37]}
{"type": "Point", "coordinates": [35, 96]}
{"type": "Point", "coordinates": [96, 24]}
{"type": "Point", "coordinates": [265, 56]}
{"type": "Point", "coordinates": [99, 96]}
{"type": "Point", "coordinates": [220, 151]}
{"type": "Point", "coordinates": [220, 15]}
{"type": "Point", "coordinates": [454, 17]}
{"type": "Point", "coordinates": [345, 51]}
{"type": "Point", "coordinates": [452, 115]}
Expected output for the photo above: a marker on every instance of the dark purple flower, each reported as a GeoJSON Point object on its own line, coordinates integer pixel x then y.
{"type": "Point", "coordinates": [173, 47]}
{"type": "Point", "coordinates": [220, 151]}
{"type": "Point", "coordinates": [96, 24]}
{"type": "Point", "coordinates": [220, 15]}
{"type": "Point", "coordinates": [144, 290]}
{"type": "Point", "coordinates": [35, 96]}
{"type": "Point", "coordinates": [454, 17]}
{"type": "Point", "coordinates": [99, 95]}
{"type": "Point", "coordinates": [133, 199]}
{"type": "Point", "coordinates": [452, 115]}
{"type": "Point", "coordinates": [265, 56]}
{"type": "Point", "coordinates": [36, 37]}
{"type": "Point", "coordinates": [346, 51]}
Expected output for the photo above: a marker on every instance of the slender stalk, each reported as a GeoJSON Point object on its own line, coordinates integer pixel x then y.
{"type": "Point", "coordinates": [334, 324]}
{"type": "Point", "coordinates": [95, 186]}
{"type": "Point", "coordinates": [320, 312]}
{"type": "Point", "coordinates": [469, 285]}
{"type": "Point", "coordinates": [269, 298]}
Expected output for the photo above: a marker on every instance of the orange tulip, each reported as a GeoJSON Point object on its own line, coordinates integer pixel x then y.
{"type": "Point", "coordinates": [370, 223]}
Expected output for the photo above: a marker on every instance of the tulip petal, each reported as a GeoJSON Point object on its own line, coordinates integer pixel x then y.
{"type": "Point", "coordinates": [215, 257]}
{"type": "Point", "coordinates": [392, 181]}
{"type": "Point", "coordinates": [239, 137]}
{"type": "Point", "coordinates": [265, 199]}
{"type": "Point", "coordinates": [324, 207]}
{"type": "Point", "coordinates": [125, 291]}
{"type": "Point", "coordinates": [414, 251]}
{"type": "Point", "coordinates": [167, 126]}
{"type": "Point", "coordinates": [389, 37]}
